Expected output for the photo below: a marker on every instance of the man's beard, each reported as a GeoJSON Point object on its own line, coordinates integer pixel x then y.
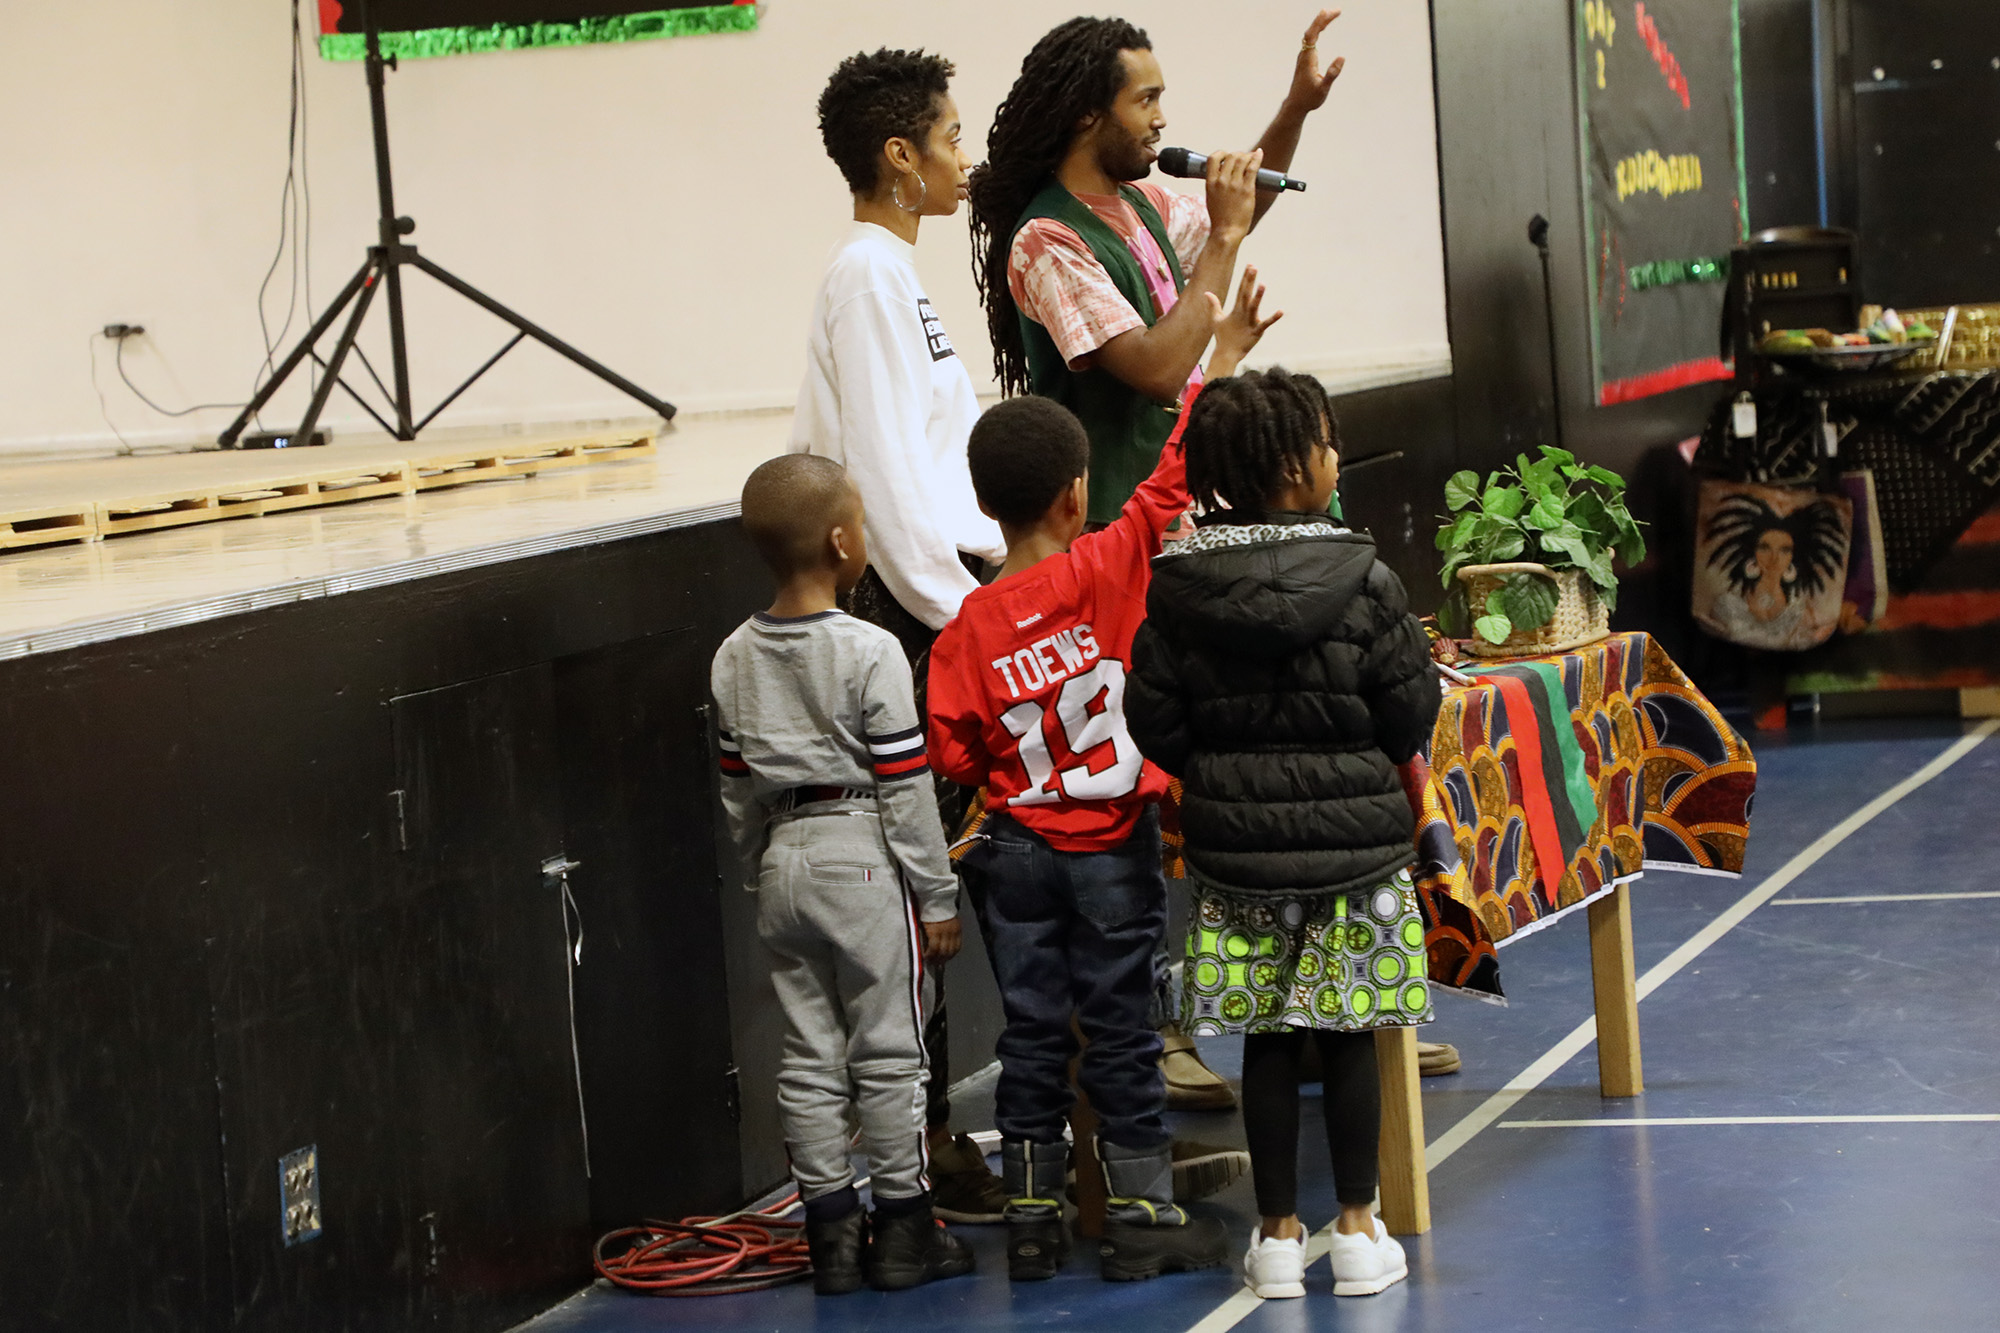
{"type": "Point", "coordinates": [1125, 160]}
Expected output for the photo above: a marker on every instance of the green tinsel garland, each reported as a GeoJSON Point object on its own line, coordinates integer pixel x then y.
{"type": "Point", "coordinates": [517, 36]}
{"type": "Point", "coordinates": [1670, 272]}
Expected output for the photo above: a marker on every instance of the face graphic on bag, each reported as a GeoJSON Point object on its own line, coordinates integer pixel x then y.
{"type": "Point", "coordinates": [1771, 564]}
{"type": "Point", "coordinates": [1776, 579]}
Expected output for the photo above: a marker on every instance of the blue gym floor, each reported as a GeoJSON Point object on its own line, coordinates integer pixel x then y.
{"type": "Point", "coordinates": [1813, 1011]}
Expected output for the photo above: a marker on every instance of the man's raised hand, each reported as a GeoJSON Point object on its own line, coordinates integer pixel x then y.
{"type": "Point", "coordinates": [1309, 85]}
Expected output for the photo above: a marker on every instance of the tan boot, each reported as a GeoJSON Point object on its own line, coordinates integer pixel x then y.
{"type": "Point", "coordinates": [1435, 1057]}
{"type": "Point", "coordinates": [1191, 1085]}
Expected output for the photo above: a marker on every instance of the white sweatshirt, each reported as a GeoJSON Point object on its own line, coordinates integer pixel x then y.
{"type": "Point", "coordinates": [886, 396]}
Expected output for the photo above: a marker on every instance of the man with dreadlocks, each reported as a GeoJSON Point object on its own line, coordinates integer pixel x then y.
{"type": "Point", "coordinates": [1102, 289]}
{"type": "Point", "coordinates": [1082, 268]}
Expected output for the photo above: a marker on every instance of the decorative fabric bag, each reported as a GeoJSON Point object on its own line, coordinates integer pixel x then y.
{"type": "Point", "coordinates": [1770, 563]}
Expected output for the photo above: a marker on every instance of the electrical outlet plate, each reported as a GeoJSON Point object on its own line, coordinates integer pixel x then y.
{"type": "Point", "coordinates": [298, 1193]}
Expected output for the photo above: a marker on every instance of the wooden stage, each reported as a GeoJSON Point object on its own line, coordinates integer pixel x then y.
{"type": "Point", "coordinates": [335, 518]}
{"type": "Point", "coordinates": [108, 497]}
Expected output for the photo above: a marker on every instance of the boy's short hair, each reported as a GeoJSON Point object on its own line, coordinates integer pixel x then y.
{"type": "Point", "coordinates": [1249, 435]}
{"type": "Point", "coordinates": [1023, 454]}
{"type": "Point", "coordinates": [873, 98]}
{"type": "Point", "coordinates": [789, 505]}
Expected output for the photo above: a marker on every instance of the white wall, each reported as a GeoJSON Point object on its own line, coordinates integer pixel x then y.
{"type": "Point", "coordinates": [664, 205]}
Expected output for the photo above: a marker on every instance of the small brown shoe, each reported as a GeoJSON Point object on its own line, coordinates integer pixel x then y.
{"type": "Point", "coordinates": [963, 1188]}
{"type": "Point", "coordinates": [1202, 1169]}
{"type": "Point", "coordinates": [1191, 1085]}
{"type": "Point", "coordinates": [1435, 1057]}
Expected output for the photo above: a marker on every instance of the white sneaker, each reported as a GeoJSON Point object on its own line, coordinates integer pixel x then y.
{"type": "Point", "coordinates": [1274, 1269]}
{"type": "Point", "coordinates": [1364, 1265]}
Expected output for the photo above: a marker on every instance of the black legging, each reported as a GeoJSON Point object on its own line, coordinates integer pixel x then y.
{"type": "Point", "coordinates": [1353, 1108]}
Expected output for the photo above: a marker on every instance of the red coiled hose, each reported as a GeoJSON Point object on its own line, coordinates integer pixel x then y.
{"type": "Point", "coordinates": [707, 1256]}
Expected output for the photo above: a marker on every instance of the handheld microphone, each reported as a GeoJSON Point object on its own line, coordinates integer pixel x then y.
{"type": "Point", "coordinates": [1180, 162]}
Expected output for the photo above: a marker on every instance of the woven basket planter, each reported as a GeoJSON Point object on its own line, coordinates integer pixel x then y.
{"type": "Point", "coordinates": [1580, 618]}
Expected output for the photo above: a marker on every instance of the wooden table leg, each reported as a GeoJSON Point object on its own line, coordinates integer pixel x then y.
{"type": "Point", "coordinates": [1406, 1186]}
{"type": "Point", "coordinates": [1614, 979]}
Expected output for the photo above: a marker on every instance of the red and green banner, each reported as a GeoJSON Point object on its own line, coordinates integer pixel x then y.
{"type": "Point", "coordinates": [1659, 93]}
{"type": "Point", "coordinates": [416, 28]}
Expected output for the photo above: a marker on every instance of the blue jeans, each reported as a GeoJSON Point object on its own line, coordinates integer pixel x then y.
{"type": "Point", "coordinates": [1074, 933]}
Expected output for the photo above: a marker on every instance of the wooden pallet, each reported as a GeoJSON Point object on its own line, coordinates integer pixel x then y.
{"type": "Point", "coordinates": [42, 525]}
{"type": "Point", "coordinates": [497, 460]}
{"type": "Point", "coordinates": [262, 495]}
{"type": "Point", "coordinates": [114, 497]}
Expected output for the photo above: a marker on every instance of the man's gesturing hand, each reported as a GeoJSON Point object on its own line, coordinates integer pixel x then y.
{"type": "Point", "coordinates": [1232, 192]}
{"type": "Point", "coordinates": [1309, 86]}
{"type": "Point", "coordinates": [941, 940]}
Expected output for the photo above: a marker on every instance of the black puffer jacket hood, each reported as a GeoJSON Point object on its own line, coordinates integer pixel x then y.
{"type": "Point", "coordinates": [1281, 677]}
{"type": "Point", "coordinates": [1263, 593]}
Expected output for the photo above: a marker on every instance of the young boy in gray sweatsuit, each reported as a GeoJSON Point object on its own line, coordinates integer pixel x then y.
{"type": "Point", "coordinates": [831, 807]}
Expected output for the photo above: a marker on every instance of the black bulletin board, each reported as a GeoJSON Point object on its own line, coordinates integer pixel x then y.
{"type": "Point", "coordinates": [1659, 94]}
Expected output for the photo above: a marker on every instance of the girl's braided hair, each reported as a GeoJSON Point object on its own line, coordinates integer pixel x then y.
{"type": "Point", "coordinates": [1073, 71]}
{"type": "Point", "coordinates": [1250, 435]}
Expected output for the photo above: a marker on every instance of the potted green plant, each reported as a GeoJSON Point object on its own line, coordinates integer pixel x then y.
{"type": "Point", "coordinates": [1528, 554]}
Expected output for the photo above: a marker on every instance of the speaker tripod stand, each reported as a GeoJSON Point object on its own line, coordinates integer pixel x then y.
{"type": "Point", "coordinates": [382, 271]}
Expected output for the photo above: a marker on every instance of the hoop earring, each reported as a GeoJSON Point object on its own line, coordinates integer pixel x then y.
{"type": "Point", "coordinates": [1750, 571]}
{"type": "Point", "coordinates": [923, 192]}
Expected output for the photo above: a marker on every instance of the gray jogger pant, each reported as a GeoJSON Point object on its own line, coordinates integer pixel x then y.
{"type": "Point", "coordinates": [842, 939]}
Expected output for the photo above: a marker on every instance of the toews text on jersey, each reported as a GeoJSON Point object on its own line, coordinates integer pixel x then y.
{"type": "Point", "coordinates": [1027, 684]}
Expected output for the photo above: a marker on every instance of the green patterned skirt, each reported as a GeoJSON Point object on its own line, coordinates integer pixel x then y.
{"type": "Point", "coordinates": [1350, 962]}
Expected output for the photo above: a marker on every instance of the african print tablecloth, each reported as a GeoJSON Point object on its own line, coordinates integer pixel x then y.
{"type": "Point", "coordinates": [1605, 762]}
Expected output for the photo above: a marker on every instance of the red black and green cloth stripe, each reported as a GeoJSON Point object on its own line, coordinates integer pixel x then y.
{"type": "Point", "coordinates": [419, 28]}
{"type": "Point", "coordinates": [1534, 707]}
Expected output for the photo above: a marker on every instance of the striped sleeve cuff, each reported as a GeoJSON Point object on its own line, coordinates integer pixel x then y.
{"type": "Point", "coordinates": [898, 755]}
{"type": "Point", "coordinates": [730, 756]}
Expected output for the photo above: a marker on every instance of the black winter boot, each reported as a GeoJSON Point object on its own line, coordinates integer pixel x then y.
{"type": "Point", "coordinates": [836, 1253]}
{"type": "Point", "coordinates": [1145, 1232]}
{"type": "Point", "coordinates": [1037, 1242]}
{"type": "Point", "coordinates": [912, 1248]}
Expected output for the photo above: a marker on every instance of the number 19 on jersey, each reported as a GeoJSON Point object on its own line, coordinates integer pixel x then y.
{"type": "Point", "coordinates": [1089, 713]}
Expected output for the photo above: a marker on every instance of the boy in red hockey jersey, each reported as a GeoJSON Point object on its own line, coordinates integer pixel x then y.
{"type": "Point", "coordinates": [1026, 699]}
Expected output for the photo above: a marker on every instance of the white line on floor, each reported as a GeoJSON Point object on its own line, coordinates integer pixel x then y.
{"type": "Point", "coordinates": [1232, 1311]}
{"type": "Point", "coordinates": [1615, 1122]}
{"type": "Point", "coordinates": [1881, 898]}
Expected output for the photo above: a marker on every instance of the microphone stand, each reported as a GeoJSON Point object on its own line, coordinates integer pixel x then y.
{"type": "Point", "coordinates": [383, 269]}
{"type": "Point", "coordinates": [1538, 236]}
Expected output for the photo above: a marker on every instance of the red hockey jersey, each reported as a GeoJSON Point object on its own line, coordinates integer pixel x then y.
{"type": "Point", "coordinates": [1027, 683]}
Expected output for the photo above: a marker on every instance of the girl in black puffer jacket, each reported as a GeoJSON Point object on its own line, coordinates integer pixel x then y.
{"type": "Point", "coordinates": [1281, 677]}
